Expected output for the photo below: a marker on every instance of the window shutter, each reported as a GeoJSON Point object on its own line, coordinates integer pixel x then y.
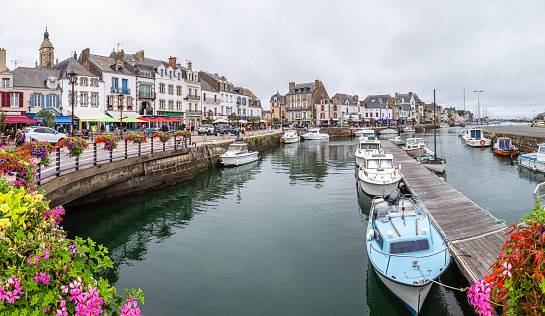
{"type": "Point", "coordinates": [47, 102]}
{"type": "Point", "coordinates": [20, 99]}
{"type": "Point", "coordinates": [43, 100]}
{"type": "Point", "coordinates": [32, 100]}
{"type": "Point", "coordinates": [58, 100]}
{"type": "Point", "coordinates": [3, 98]}
{"type": "Point", "coordinates": [8, 99]}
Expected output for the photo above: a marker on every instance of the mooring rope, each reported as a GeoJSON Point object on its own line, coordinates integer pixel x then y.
{"type": "Point", "coordinates": [463, 289]}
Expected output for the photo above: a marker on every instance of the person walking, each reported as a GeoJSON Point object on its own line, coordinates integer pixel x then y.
{"type": "Point", "coordinates": [164, 128]}
{"type": "Point", "coordinates": [19, 138]}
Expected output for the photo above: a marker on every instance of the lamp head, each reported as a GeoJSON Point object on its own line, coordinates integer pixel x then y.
{"type": "Point", "coordinates": [72, 77]}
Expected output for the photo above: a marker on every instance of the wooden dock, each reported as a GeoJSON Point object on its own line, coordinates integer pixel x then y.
{"type": "Point", "coordinates": [475, 236]}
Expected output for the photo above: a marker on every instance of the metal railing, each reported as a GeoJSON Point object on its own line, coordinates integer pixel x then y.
{"type": "Point", "coordinates": [119, 90]}
{"type": "Point", "coordinates": [147, 95]}
{"type": "Point", "coordinates": [95, 155]}
{"type": "Point", "coordinates": [193, 97]}
{"type": "Point", "coordinates": [211, 100]}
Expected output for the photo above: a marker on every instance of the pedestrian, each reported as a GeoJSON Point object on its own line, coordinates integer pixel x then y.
{"type": "Point", "coordinates": [164, 128]}
{"type": "Point", "coordinates": [102, 128]}
{"type": "Point", "coordinates": [19, 138]}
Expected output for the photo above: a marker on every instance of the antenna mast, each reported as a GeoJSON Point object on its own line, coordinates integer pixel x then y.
{"type": "Point", "coordinates": [17, 61]}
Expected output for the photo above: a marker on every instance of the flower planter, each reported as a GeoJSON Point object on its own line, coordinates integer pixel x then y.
{"type": "Point", "coordinates": [36, 161]}
{"type": "Point", "coordinates": [9, 178]}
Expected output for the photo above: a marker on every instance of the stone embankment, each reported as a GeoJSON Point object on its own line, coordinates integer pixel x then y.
{"type": "Point", "coordinates": [524, 137]}
{"type": "Point", "coordinates": [134, 175]}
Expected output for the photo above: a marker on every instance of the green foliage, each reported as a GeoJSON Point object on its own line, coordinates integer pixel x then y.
{"type": "Point", "coordinates": [258, 139]}
{"type": "Point", "coordinates": [48, 118]}
{"type": "Point", "coordinates": [209, 117]}
{"type": "Point", "coordinates": [276, 120]}
{"type": "Point", "coordinates": [2, 120]}
{"type": "Point", "coordinates": [233, 118]}
{"type": "Point", "coordinates": [274, 136]}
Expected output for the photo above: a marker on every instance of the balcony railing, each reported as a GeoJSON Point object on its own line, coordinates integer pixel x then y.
{"type": "Point", "coordinates": [118, 90]}
{"type": "Point", "coordinates": [193, 97]}
{"type": "Point", "coordinates": [193, 113]}
{"type": "Point", "coordinates": [147, 95]}
{"type": "Point", "coordinates": [211, 100]}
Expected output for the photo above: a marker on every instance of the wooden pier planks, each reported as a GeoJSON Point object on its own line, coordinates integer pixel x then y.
{"type": "Point", "coordinates": [476, 237]}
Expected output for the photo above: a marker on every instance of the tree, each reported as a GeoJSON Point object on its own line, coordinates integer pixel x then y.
{"type": "Point", "coordinates": [331, 121]}
{"type": "Point", "coordinates": [233, 118]}
{"type": "Point", "coordinates": [48, 118]}
{"type": "Point", "coordinates": [209, 117]}
{"type": "Point", "coordinates": [350, 120]}
{"type": "Point", "coordinates": [276, 120]}
{"type": "Point", "coordinates": [2, 120]}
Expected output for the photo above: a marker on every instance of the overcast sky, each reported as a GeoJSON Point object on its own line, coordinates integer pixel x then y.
{"type": "Point", "coordinates": [354, 47]}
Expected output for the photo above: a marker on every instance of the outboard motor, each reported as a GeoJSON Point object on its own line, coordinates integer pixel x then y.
{"type": "Point", "coordinates": [393, 199]}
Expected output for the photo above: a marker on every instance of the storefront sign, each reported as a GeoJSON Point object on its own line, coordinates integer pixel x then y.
{"type": "Point", "coordinates": [15, 113]}
{"type": "Point", "coordinates": [170, 113]}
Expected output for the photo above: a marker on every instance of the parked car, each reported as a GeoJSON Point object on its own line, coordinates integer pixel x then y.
{"type": "Point", "coordinates": [206, 129]}
{"type": "Point", "coordinates": [225, 129]}
{"type": "Point", "coordinates": [43, 134]}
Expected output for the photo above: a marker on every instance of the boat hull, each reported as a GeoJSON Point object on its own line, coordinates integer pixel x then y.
{"type": "Point", "coordinates": [316, 137]}
{"type": "Point", "coordinates": [412, 297]}
{"type": "Point", "coordinates": [506, 152]}
{"type": "Point", "coordinates": [291, 140]}
{"type": "Point", "coordinates": [378, 189]}
{"type": "Point", "coordinates": [438, 167]}
{"type": "Point", "coordinates": [478, 143]}
{"type": "Point", "coordinates": [238, 160]}
{"type": "Point", "coordinates": [388, 132]}
{"type": "Point", "coordinates": [416, 152]}
{"type": "Point", "coordinates": [531, 162]}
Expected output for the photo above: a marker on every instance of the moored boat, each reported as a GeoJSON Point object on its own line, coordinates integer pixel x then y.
{"type": "Point", "coordinates": [377, 174]}
{"type": "Point", "coordinates": [314, 134]}
{"type": "Point", "coordinates": [504, 147]}
{"type": "Point", "coordinates": [365, 133]}
{"type": "Point", "coordinates": [405, 249]}
{"type": "Point", "coordinates": [534, 161]}
{"type": "Point", "coordinates": [290, 137]}
{"type": "Point", "coordinates": [367, 147]}
{"type": "Point", "coordinates": [388, 131]}
{"type": "Point", "coordinates": [414, 147]}
{"type": "Point", "coordinates": [237, 154]}
{"type": "Point", "coordinates": [430, 160]}
{"type": "Point", "coordinates": [409, 129]}
{"type": "Point", "coordinates": [475, 138]}
{"type": "Point", "coordinates": [444, 125]}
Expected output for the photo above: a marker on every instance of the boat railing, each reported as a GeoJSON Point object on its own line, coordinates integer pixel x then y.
{"type": "Point", "coordinates": [412, 256]}
{"type": "Point", "coordinates": [537, 191]}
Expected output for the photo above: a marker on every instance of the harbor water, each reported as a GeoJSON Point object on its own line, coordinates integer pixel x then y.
{"type": "Point", "coordinates": [281, 236]}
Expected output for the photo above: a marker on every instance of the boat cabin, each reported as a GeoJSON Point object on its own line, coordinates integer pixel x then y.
{"type": "Point", "coordinates": [369, 146]}
{"type": "Point", "coordinates": [313, 131]}
{"type": "Point", "coordinates": [412, 141]}
{"type": "Point", "coordinates": [238, 148]}
{"type": "Point", "coordinates": [290, 133]}
{"type": "Point", "coordinates": [379, 162]}
{"type": "Point", "coordinates": [475, 133]}
{"type": "Point", "coordinates": [504, 143]}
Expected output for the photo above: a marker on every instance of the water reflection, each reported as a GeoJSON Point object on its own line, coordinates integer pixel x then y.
{"type": "Point", "coordinates": [130, 225]}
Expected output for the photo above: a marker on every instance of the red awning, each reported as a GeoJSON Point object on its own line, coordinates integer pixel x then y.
{"type": "Point", "coordinates": [19, 119]}
{"type": "Point", "coordinates": [159, 119]}
{"type": "Point", "coordinates": [174, 120]}
{"type": "Point", "coordinates": [147, 119]}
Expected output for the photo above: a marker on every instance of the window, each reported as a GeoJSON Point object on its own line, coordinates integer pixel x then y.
{"type": "Point", "coordinates": [145, 73]}
{"type": "Point", "coordinates": [162, 104]}
{"type": "Point", "coordinates": [322, 107]}
{"type": "Point", "coordinates": [94, 100]}
{"type": "Point", "coordinates": [171, 105]}
{"type": "Point", "coordinates": [119, 102]}
{"type": "Point", "coordinates": [129, 102]}
{"type": "Point", "coordinates": [162, 72]}
{"type": "Point", "coordinates": [52, 85]}
{"type": "Point", "coordinates": [178, 105]}
{"type": "Point", "coordinates": [409, 246]}
{"type": "Point", "coordinates": [178, 90]}
{"type": "Point", "coordinates": [179, 76]}
{"type": "Point", "coordinates": [83, 99]}
{"type": "Point", "coordinates": [115, 82]}
{"type": "Point", "coordinates": [83, 81]}
{"type": "Point", "coordinates": [162, 88]}
{"type": "Point", "coordinates": [14, 100]}
{"type": "Point", "coordinates": [94, 82]}
{"type": "Point", "coordinates": [5, 82]}
{"type": "Point", "coordinates": [145, 91]}
{"type": "Point", "coordinates": [170, 89]}
{"type": "Point", "coordinates": [110, 101]}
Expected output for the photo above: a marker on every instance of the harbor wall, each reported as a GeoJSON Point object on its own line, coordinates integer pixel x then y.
{"type": "Point", "coordinates": [135, 175]}
{"type": "Point", "coordinates": [525, 143]}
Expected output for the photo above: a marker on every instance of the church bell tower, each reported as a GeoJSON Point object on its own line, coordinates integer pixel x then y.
{"type": "Point", "coordinates": [47, 55]}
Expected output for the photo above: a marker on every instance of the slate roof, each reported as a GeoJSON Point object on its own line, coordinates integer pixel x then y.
{"type": "Point", "coordinates": [449, 110]}
{"type": "Point", "coordinates": [69, 65]}
{"type": "Point", "coordinates": [277, 95]}
{"type": "Point", "coordinates": [374, 98]}
{"type": "Point", "coordinates": [33, 77]}
{"type": "Point", "coordinates": [105, 64]}
{"type": "Point", "coordinates": [376, 105]}
{"type": "Point", "coordinates": [302, 88]}
{"type": "Point", "coordinates": [206, 86]}
{"type": "Point", "coordinates": [342, 98]}
{"type": "Point", "coordinates": [405, 107]}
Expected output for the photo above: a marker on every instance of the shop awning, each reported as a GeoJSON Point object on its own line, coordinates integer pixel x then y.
{"type": "Point", "coordinates": [19, 119]}
{"type": "Point", "coordinates": [145, 119]}
{"type": "Point", "coordinates": [88, 115]}
{"type": "Point", "coordinates": [174, 120]}
{"type": "Point", "coordinates": [131, 120]}
{"type": "Point", "coordinates": [117, 114]}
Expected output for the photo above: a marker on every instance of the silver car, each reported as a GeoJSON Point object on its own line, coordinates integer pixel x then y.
{"type": "Point", "coordinates": [42, 133]}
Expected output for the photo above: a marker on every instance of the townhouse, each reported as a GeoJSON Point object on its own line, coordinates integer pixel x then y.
{"type": "Point", "coordinates": [193, 108]}
{"type": "Point", "coordinates": [349, 106]}
{"type": "Point", "coordinates": [379, 108]}
{"type": "Point", "coordinates": [302, 100]}
{"type": "Point", "coordinates": [219, 86]}
{"type": "Point", "coordinates": [328, 111]}
{"type": "Point", "coordinates": [278, 107]}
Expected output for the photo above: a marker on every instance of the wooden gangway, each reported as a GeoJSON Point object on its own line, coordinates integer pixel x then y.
{"type": "Point", "coordinates": [475, 236]}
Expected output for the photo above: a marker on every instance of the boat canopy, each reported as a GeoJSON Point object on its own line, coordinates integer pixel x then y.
{"type": "Point", "coordinates": [380, 163]}
{"type": "Point", "coordinates": [290, 133]}
{"type": "Point", "coordinates": [369, 146]}
{"type": "Point", "coordinates": [238, 147]}
{"type": "Point", "coordinates": [313, 131]}
{"type": "Point", "coordinates": [414, 140]}
{"type": "Point", "coordinates": [504, 143]}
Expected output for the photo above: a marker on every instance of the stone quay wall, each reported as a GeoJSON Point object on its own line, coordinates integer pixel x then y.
{"type": "Point", "coordinates": [525, 143]}
{"type": "Point", "coordinates": [135, 175]}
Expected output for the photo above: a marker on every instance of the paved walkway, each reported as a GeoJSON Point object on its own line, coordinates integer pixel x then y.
{"type": "Point", "coordinates": [524, 130]}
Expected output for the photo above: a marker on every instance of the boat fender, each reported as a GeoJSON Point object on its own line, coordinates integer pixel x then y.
{"type": "Point", "coordinates": [390, 234]}
{"type": "Point", "coordinates": [424, 231]}
{"type": "Point", "coordinates": [393, 199]}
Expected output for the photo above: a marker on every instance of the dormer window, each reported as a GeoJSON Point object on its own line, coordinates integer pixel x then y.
{"type": "Point", "coordinates": [162, 72]}
{"type": "Point", "coordinates": [52, 84]}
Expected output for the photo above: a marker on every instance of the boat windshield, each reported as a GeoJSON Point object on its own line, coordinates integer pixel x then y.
{"type": "Point", "coordinates": [383, 209]}
{"type": "Point", "coordinates": [366, 146]}
{"type": "Point", "coordinates": [476, 133]}
{"type": "Point", "coordinates": [409, 246]}
{"type": "Point", "coordinates": [237, 147]}
{"type": "Point", "coordinates": [504, 143]}
{"type": "Point", "coordinates": [542, 149]}
{"type": "Point", "coordinates": [380, 163]}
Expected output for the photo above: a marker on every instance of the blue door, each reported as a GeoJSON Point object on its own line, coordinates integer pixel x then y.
{"type": "Point", "coordinates": [124, 86]}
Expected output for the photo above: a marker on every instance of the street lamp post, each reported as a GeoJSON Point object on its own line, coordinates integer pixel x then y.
{"type": "Point", "coordinates": [72, 77]}
{"type": "Point", "coordinates": [478, 103]}
{"type": "Point", "coordinates": [120, 97]}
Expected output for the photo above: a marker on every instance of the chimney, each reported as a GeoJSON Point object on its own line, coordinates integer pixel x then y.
{"type": "Point", "coordinates": [172, 62]}
{"type": "Point", "coordinates": [3, 66]}
{"type": "Point", "coordinates": [189, 66]}
{"type": "Point", "coordinates": [75, 55]}
{"type": "Point", "coordinates": [84, 56]}
{"type": "Point", "coordinates": [292, 85]}
{"type": "Point", "coordinates": [410, 94]}
{"type": "Point", "coordinates": [396, 94]}
{"type": "Point", "coordinates": [356, 98]}
{"type": "Point", "coordinates": [316, 82]}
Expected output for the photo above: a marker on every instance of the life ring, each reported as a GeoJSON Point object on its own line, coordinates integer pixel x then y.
{"type": "Point", "coordinates": [482, 141]}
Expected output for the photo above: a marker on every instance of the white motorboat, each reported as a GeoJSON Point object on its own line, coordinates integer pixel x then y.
{"type": "Point", "coordinates": [237, 154]}
{"type": "Point", "coordinates": [409, 129]}
{"type": "Point", "coordinates": [462, 132]}
{"type": "Point", "coordinates": [377, 174]}
{"type": "Point", "coordinates": [534, 161]}
{"type": "Point", "coordinates": [475, 138]}
{"type": "Point", "coordinates": [414, 147]}
{"type": "Point", "coordinates": [364, 133]}
{"type": "Point", "coordinates": [444, 125]}
{"type": "Point", "coordinates": [388, 131]}
{"type": "Point", "coordinates": [406, 259]}
{"type": "Point", "coordinates": [290, 137]}
{"type": "Point", "coordinates": [314, 134]}
{"type": "Point", "coordinates": [367, 147]}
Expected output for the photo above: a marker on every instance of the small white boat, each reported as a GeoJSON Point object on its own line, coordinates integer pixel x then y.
{"type": "Point", "coordinates": [388, 131]}
{"type": "Point", "coordinates": [367, 147]}
{"type": "Point", "coordinates": [433, 163]}
{"type": "Point", "coordinates": [475, 138]}
{"type": "Point", "coordinates": [462, 132]}
{"type": "Point", "coordinates": [444, 125]}
{"type": "Point", "coordinates": [364, 133]}
{"type": "Point", "coordinates": [414, 147]}
{"type": "Point", "coordinates": [290, 137]}
{"type": "Point", "coordinates": [405, 249]}
{"type": "Point", "coordinates": [377, 174]}
{"type": "Point", "coordinates": [314, 134]}
{"type": "Point", "coordinates": [237, 154]}
{"type": "Point", "coordinates": [408, 129]}
{"type": "Point", "coordinates": [534, 161]}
